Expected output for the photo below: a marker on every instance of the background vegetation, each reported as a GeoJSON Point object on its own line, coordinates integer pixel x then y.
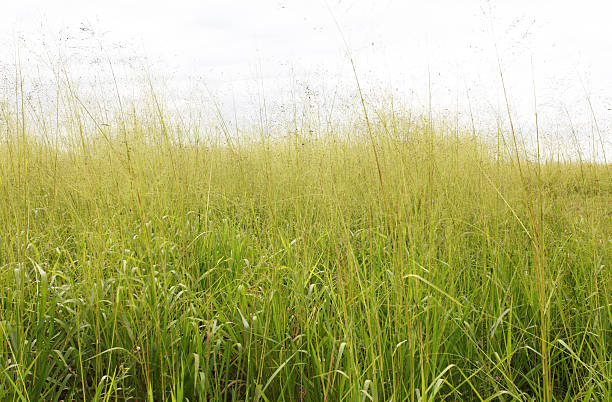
{"type": "Point", "coordinates": [402, 259]}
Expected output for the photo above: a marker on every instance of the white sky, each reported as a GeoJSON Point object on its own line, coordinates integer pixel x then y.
{"type": "Point", "coordinates": [394, 43]}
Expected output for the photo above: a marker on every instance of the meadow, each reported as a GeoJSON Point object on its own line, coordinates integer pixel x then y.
{"type": "Point", "coordinates": [400, 258]}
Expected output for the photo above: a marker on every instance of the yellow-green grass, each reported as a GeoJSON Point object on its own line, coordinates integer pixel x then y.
{"type": "Point", "coordinates": [136, 263]}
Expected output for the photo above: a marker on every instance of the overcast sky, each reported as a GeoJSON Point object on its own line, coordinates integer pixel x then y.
{"type": "Point", "coordinates": [565, 45]}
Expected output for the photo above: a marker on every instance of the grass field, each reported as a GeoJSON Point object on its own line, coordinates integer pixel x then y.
{"type": "Point", "coordinates": [404, 262]}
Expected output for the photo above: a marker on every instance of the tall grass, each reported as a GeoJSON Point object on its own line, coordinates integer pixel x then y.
{"type": "Point", "coordinates": [139, 263]}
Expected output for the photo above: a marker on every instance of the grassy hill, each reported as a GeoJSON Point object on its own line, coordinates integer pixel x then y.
{"type": "Point", "coordinates": [404, 262]}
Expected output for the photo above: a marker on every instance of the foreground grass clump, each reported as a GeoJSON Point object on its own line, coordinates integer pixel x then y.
{"type": "Point", "coordinates": [135, 266]}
